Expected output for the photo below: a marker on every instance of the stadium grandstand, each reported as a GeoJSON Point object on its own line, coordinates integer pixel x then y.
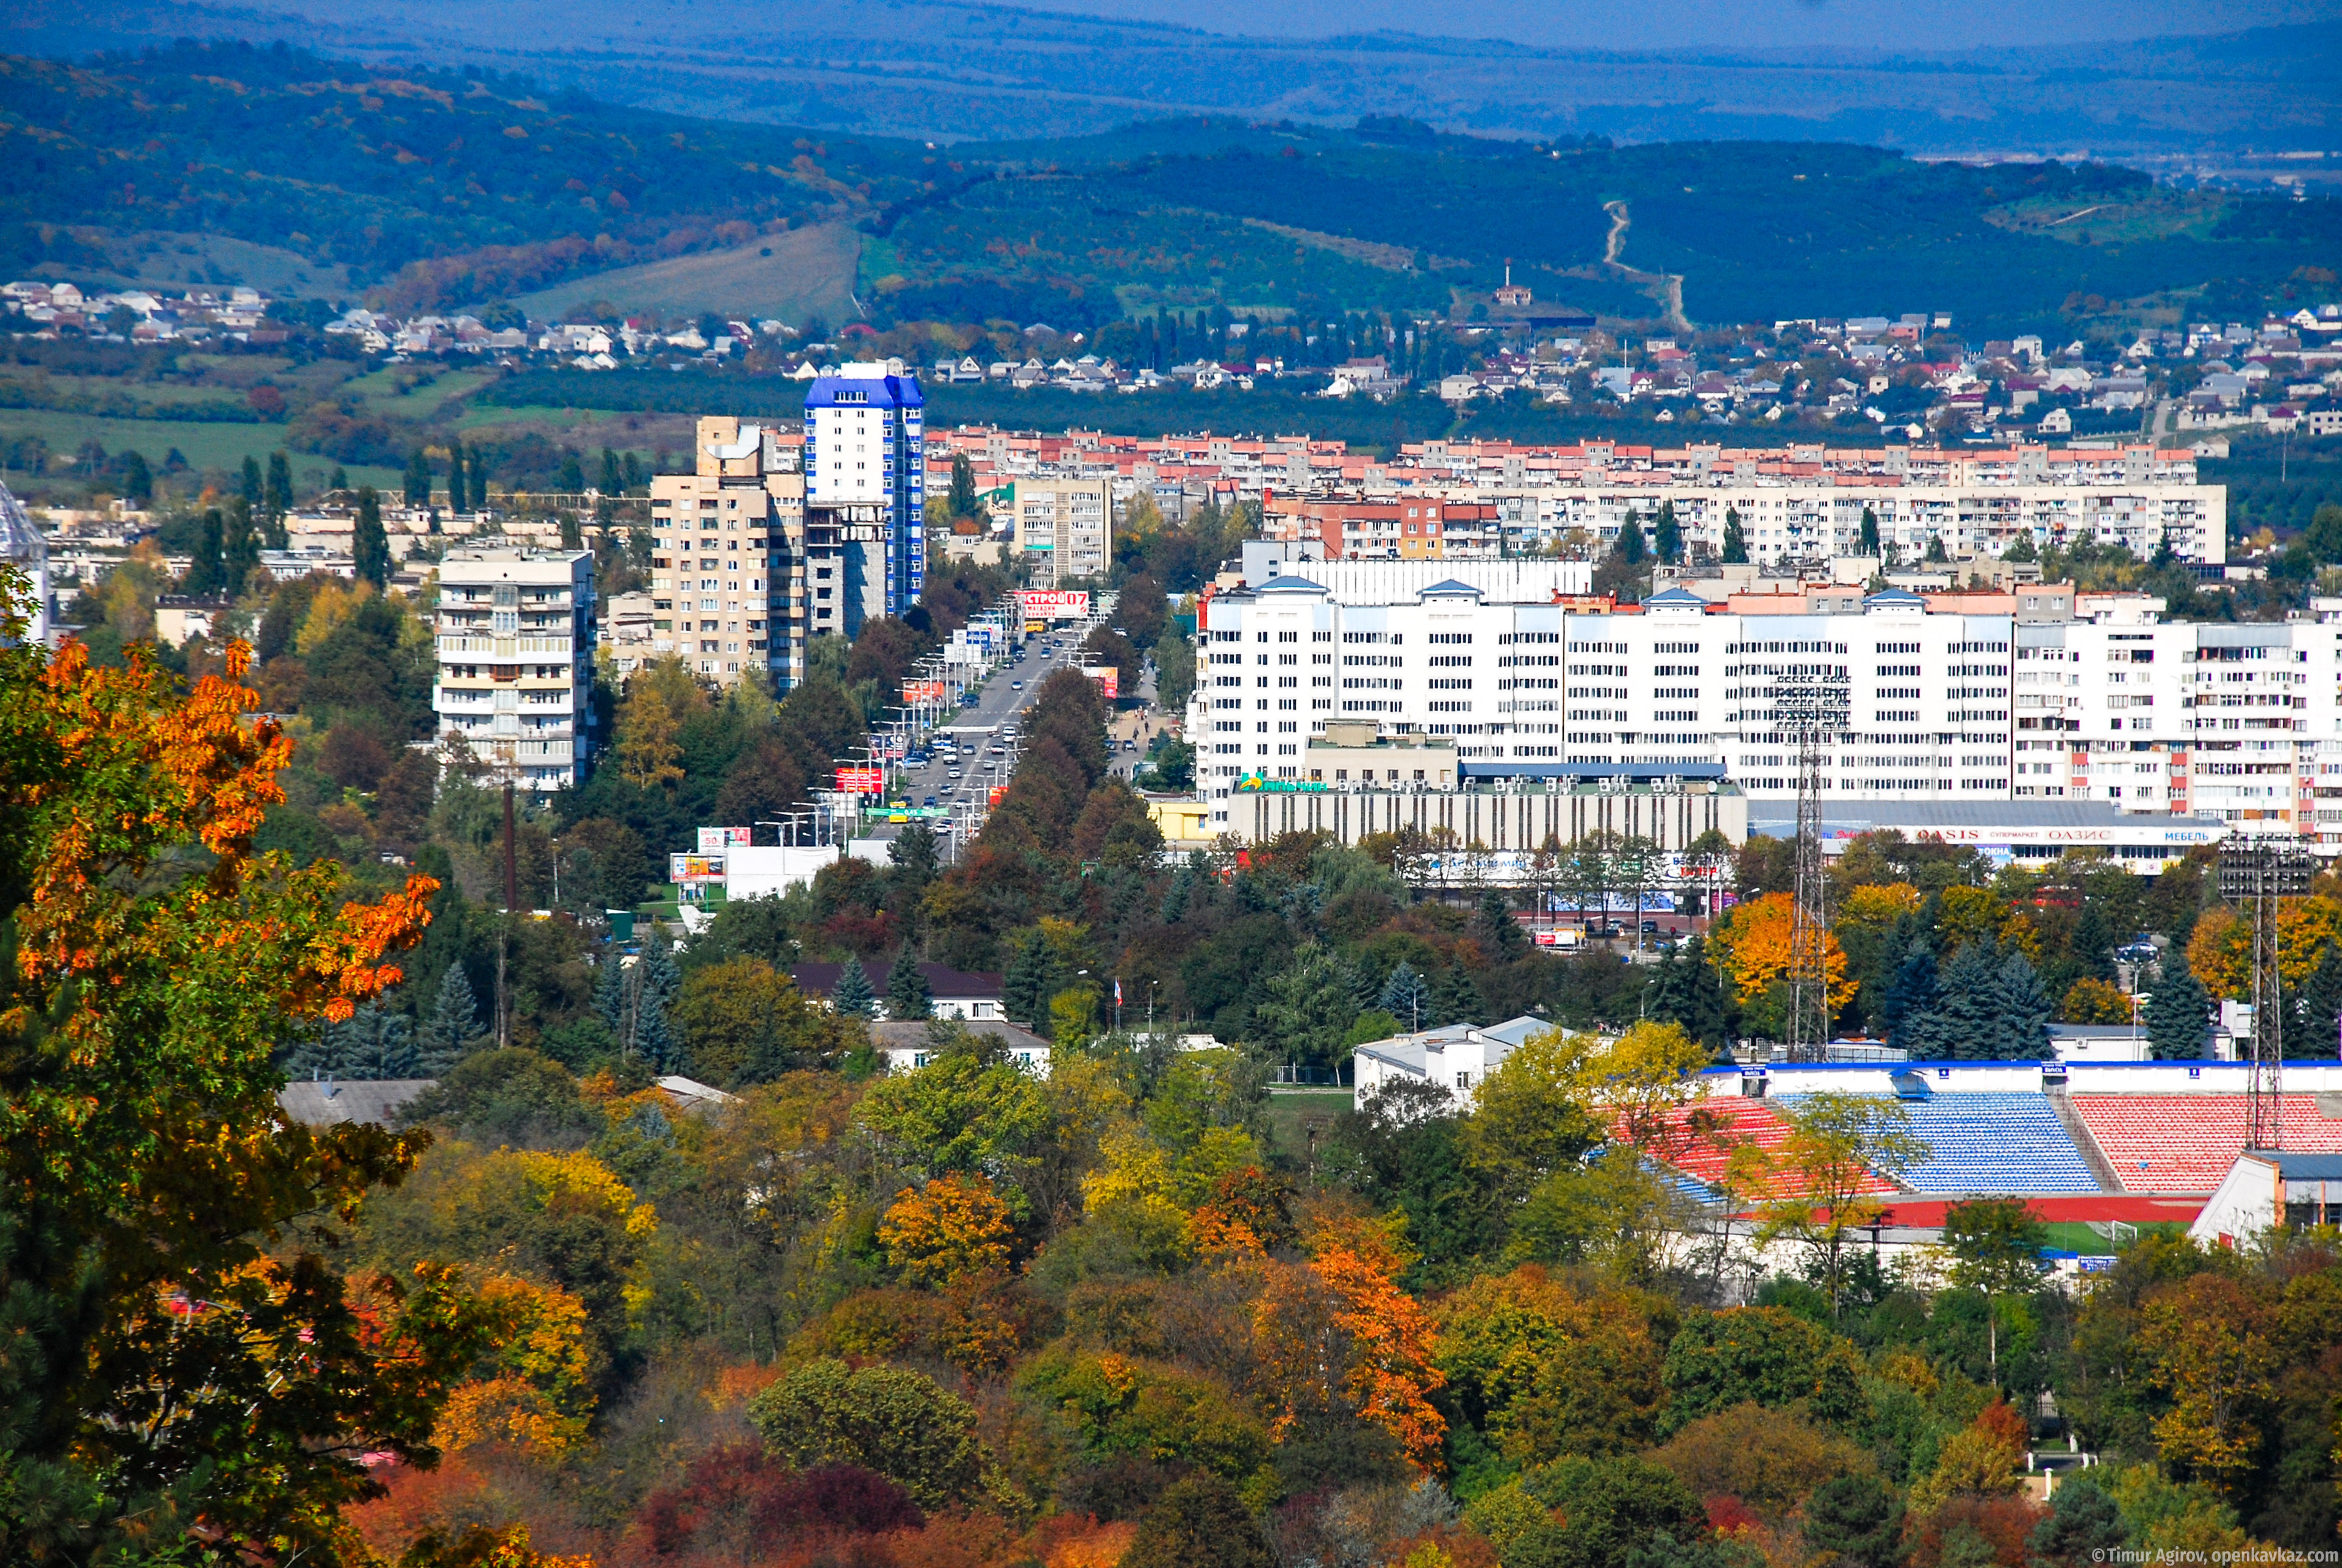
{"type": "Point", "coordinates": [2106, 1136]}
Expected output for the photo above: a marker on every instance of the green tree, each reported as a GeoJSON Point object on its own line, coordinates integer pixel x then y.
{"type": "Point", "coordinates": [137, 479]}
{"type": "Point", "coordinates": [454, 1026]}
{"type": "Point", "coordinates": [2083, 1527]}
{"type": "Point", "coordinates": [1632, 549]}
{"type": "Point", "coordinates": [1501, 934]}
{"type": "Point", "coordinates": [1306, 1008]}
{"type": "Point", "coordinates": [1996, 1249]}
{"type": "Point", "coordinates": [886, 1419]}
{"type": "Point", "coordinates": [276, 492]}
{"type": "Point", "coordinates": [457, 492]}
{"type": "Point", "coordinates": [240, 555]}
{"type": "Point", "coordinates": [1667, 538]}
{"type": "Point", "coordinates": [1866, 539]}
{"type": "Point", "coordinates": [1404, 996]}
{"type": "Point", "coordinates": [208, 562]}
{"type": "Point", "coordinates": [852, 996]}
{"type": "Point", "coordinates": [418, 478]}
{"type": "Point", "coordinates": [1823, 1176]}
{"type": "Point", "coordinates": [744, 1021]}
{"type": "Point", "coordinates": [908, 995]}
{"type": "Point", "coordinates": [613, 481]}
{"type": "Point", "coordinates": [1858, 1520]}
{"type": "Point", "coordinates": [248, 481]}
{"type": "Point", "coordinates": [964, 502]}
{"type": "Point", "coordinates": [1736, 543]}
{"type": "Point", "coordinates": [1761, 1354]}
{"type": "Point", "coordinates": [1030, 981]}
{"type": "Point", "coordinates": [1612, 1510]}
{"type": "Point", "coordinates": [369, 546]}
{"type": "Point", "coordinates": [1199, 1521]}
{"type": "Point", "coordinates": [2178, 1014]}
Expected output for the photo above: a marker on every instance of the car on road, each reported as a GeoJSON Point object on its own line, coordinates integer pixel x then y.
{"type": "Point", "coordinates": [929, 801]}
{"type": "Point", "coordinates": [1015, 685]}
{"type": "Point", "coordinates": [951, 773]}
{"type": "Point", "coordinates": [1650, 927]}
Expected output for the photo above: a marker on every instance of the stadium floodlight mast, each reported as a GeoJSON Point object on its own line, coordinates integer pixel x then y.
{"type": "Point", "coordinates": [2257, 877]}
{"type": "Point", "coordinates": [1810, 703]}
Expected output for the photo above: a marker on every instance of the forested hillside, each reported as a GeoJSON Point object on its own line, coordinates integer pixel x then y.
{"type": "Point", "coordinates": [446, 188]}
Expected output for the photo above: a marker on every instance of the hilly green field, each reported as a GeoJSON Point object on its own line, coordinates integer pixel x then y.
{"type": "Point", "coordinates": [445, 189]}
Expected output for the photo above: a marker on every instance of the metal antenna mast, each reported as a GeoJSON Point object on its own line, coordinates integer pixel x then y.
{"type": "Point", "coordinates": [2258, 876]}
{"type": "Point", "coordinates": [1811, 704]}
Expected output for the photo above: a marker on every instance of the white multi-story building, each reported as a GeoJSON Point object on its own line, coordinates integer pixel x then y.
{"type": "Point", "coordinates": [1064, 528]}
{"type": "Point", "coordinates": [2241, 723]}
{"type": "Point", "coordinates": [729, 563]}
{"type": "Point", "coordinates": [866, 478]}
{"type": "Point", "coordinates": [516, 644]}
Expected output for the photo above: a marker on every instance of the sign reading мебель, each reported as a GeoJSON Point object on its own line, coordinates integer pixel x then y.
{"type": "Point", "coordinates": [1055, 603]}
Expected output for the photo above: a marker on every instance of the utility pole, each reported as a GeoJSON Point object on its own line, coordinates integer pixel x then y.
{"type": "Point", "coordinates": [504, 931]}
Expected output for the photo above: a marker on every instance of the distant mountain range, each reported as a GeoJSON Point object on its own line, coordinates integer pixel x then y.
{"type": "Point", "coordinates": [449, 187]}
{"type": "Point", "coordinates": [952, 70]}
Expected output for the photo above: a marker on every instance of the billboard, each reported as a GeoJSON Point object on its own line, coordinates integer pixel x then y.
{"type": "Point", "coordinates": [1109, 679]}
{"type": "Point", "coordinates": [862, 781]}
{"type": "Point", "coordinates": [717, 840]}
{"type": "Point", "coordinates": [994, 798]}
{"type": "Point", "coordinates": [1055, 603]}
{"type": "Point", "coordinates": [923, 691]}
{"type": "Point", "coordinates": [689, 868]}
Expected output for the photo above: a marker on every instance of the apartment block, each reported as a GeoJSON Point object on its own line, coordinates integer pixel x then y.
{"type": "Point", "coordinates": [515, 641]}
{"type": "Point", "coordinates": [2088, 697]}
{"type": "Point", "coordinates": [1064, 528]}
{"type": "Point", "coordinates": [866, 478]}
{"type": "Point", "coordinates": [728, 557]}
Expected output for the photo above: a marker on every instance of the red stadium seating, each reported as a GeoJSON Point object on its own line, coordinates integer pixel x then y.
{"type": "Point", "coordinates": [2185, 1143]}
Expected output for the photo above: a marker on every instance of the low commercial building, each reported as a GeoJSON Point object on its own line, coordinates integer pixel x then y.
{"type": "Point", "coordinates": [2005, 830]}
{"type": "Point", "coordinates": [515, 649]}
{"type": "Point", "coordinates": [1457, 1058]}
{"type": "Point", "coordinates": [2271, 1189]}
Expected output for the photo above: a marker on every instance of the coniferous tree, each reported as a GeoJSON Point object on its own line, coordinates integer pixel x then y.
{"type": "Point", "coordinates": [1454, 999]}
{"type": "Point", "coordinates": [1667, 538]}
{"type": "Point", "coordinates": [370, 1045]}
{"type": "Point", "coordinates": [456, 493]}
{"type": "Point", "coordinates": [339, 479]}
{"type": "Point", "coordinates": [2178, 1014]}
{"type": "Point", "coordinates": [1633, 548]}
{"type": "Point", "coordinates": [1030, 981]}
{"type": "Point", "coordinates": [455, 1022]}
{"type": "Point", "coordinates": [1495, 927]}
{"type": "Point", "coordinates": [418, 479]}
{"type": "Point", "coordinates": [852, 994]}
{"type": "Point", "coordinates": [908, 994]}
{"type": "Point", "coordinates": [1866, 539]}
{"type": "Point", "coordinates": [369, 546]}
{"type": "Point", "coordinates": [573, 474]}
{"type": "Point", "coordinates": [1406, 997]}
{"type": "Point", "coordinates": [655, 1038]}
{"type": "Point", "coordinates": [250, 484]}
{"type": "Point", "coordinates": [1910, 997]}
{"type": "Point", "coordinates": [2024, 1009]}
{"type": "Point", "coordinates": [1736, 543]}
{"type": "Point", "coordinates": [613, 482]}
{"type": "Point", "coordinates": [137, 479]}
{"type": "Point", "coordinates": [1964, 1025]}
{"type": "Point", "coordinates": [1687, 992]}
{"type": "Point", "coordinates": [2314, 1021]}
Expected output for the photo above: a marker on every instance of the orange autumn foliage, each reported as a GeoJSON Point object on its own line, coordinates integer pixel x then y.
{"type": "Point", "coordinates": [1756, 943]}
{"type": "Point", "coordinates": [1343, 1320]}
{"type": "Point", "coordinates": [951, 1229]}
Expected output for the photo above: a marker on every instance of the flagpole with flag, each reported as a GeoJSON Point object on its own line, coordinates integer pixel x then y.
{"type": "Point", "coordinates": [1117, 1003]}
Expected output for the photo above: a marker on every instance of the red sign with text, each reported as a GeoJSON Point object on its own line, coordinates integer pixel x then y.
{"type": "Point", "coordinates": [862, 781]}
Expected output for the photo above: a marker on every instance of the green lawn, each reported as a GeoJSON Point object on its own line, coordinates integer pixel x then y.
{"type": "Point", "coordinates": [2077, 1236]}
{"type": "Point", "coordinates": [1293, 1114]}
{"type": "Point", "coordinates": [204, 445]}
{"type": "Point", "coordinates": [380, 389]}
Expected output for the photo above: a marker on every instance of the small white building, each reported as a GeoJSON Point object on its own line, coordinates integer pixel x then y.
{"type": "Point", "coordinates": [515, 638]}
{"type": "Point", "coordinates": [2266, 1188]}
{"type": "Point", "coordinates": [910, 1045]}
{"type": "Point", "coordinates": [1458, 1058]}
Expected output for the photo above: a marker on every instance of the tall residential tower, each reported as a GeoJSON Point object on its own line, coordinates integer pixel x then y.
{"type": "Point", "coordinates": [865, 496]}
{"type": "Point", "coordinates": [728, 557]}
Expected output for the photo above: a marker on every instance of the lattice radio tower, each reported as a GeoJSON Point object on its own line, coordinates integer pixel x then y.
{"type": "Point", "coordinates": [1810, 703]}
{"type": "Point", "coordinates": [2255, 877]}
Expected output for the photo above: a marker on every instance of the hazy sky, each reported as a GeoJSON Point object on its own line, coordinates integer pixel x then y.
{"type": "Point", "coordinates": [1744, 24]}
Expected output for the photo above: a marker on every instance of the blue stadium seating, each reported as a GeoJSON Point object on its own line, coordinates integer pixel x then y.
{"type": "Point", "coordinates": [1998, 1143]}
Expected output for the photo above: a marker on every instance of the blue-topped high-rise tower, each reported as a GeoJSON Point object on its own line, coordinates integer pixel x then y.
{"type": "Point", "coordinates": [866, 495]}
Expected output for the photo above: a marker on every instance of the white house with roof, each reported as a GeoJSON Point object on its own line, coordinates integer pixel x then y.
{"type": "Point", "coordinates": [1457, 1057]}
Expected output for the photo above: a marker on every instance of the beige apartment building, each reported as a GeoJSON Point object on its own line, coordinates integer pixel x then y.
{"type": "Point", "coordinates": [728, 590]}
{"type": "Point", "coordinates": [1064, 528]}
{"type": "Point", "coordinates": [514, 642]}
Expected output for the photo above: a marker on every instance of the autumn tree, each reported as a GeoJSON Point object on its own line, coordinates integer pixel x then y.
{"type": "Point", "coordinates": [949, 1229]}
{"type": "Point", "coordinates": [1825, 1179]}
{"type": "Point", "coordinates": [186, 1366]}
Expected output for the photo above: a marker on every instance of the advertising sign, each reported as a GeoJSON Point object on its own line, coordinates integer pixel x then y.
{"type": "Point", "coordinates": [861, 781]}
{"type": "Point", "coordinates": [717, 840]}
{"type": "Point", "coordinates": [1107, 676]}
{"type": "Point", "coordinates": [1055, 603]}
{"type": "Point", "coordinates": [994, 798]}
{"type": "Point", "coordinates": [923, 691]}
{"type": "Point", "coordinates": [688, 868]}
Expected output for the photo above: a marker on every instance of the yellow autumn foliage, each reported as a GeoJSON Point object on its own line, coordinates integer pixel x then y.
{"type": "Point", "coordinates": [1756, 944]}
